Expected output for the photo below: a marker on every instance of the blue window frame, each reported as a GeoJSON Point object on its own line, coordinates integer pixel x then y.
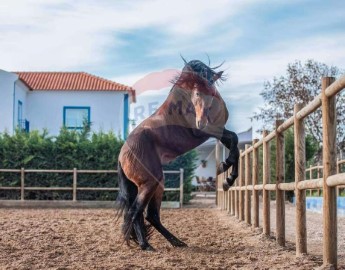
{"type": "Point", "coordinates": [125, 116]}
{"type": "Point", "coordinates": [20, 113]}
{"type": "Point", "coordinates": [75, 116]}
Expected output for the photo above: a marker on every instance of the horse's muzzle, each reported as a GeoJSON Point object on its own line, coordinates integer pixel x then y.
{"type": "Point", "coordinates": [200, 124]}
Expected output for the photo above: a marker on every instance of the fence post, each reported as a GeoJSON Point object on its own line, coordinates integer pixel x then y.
{"type": "Point", "coordinates": [229, 196]}
{"type": "Point", "coordinates": [236, 194]}
{"type": "Point", "coordinates": [217, 153]}
{"type": "Point", "coordinates": [280, 194]}
{"type": "Point", "coordinates": [233, 200]}
{"type": "Point", "coordinates": [247, 203]}
{"type": "Point", "coordinates": [310, 177]}
{"type": "Point", "coordinates": [318, 177]}
{"type": "Point", "coordinates": [74, 184]}
{"type": "Point", "coordinates": [299, 141]}
{"type": "Point", "coordinates": [266, 176]}
{"type": "Point", "coordinates": [228, 201]}
{"type": "Point", "coordinates": [338, 171]}
{"type": "Point", "coordinates": [226, 193]}
{"type": "Point", "coordinates": [255, 182]}
{"type": "Point", "coordinates": [181, 186]}
{"type": "Point", "coordinates": [329, 168]}
{"type": "Point", "coordinates": [240, 192]}
{"type": "Point", "coordinates": [22, 184]}
{"type": "Point", "coordinates": [224, 198]}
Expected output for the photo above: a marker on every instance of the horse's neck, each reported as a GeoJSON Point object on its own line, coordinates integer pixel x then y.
{"type": "Point", "coordinates": [176, 109]}
{"type": "Point", "coordinates": [179, 94]}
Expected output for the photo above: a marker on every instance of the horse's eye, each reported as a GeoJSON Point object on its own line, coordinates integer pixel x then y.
{"type": "Point", "coordinates": [197, 94]}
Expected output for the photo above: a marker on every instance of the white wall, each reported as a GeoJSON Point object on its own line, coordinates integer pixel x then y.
{"type": "Point", "coordinates": [7, 80]}
{"type": "Point", "coordinates": [46, 109]}
{"type": "Point", "coordinates": [205, 153]}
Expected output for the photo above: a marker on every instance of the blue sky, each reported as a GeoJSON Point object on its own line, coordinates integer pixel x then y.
{"type": "Point", "coordinates": [125, 40]}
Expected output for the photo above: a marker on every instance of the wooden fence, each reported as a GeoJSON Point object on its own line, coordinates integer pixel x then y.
{"type": "Point", "coordinates": [318, 169]}
{"type": "Point", "coordinates": [244, 195]}
{"type": "Point", "coordinates": [74, 188]}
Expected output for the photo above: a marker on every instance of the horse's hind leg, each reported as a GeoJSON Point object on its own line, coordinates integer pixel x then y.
{"type": "Point", "coordinates": [135, 218]}
{"type": "Point", "coordinates": [153, 216]}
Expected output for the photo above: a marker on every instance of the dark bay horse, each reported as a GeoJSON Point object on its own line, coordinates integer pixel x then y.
{"type": "Point", "coordinates": [192, 113]}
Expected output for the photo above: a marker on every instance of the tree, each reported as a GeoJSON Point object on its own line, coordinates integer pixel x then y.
{"type": "Point", "coordinates": [312, 147]}
{"type": "Point", "coordinates": [301, 84]}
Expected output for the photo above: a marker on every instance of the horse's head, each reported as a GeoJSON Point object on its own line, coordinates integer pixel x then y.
{"type": "Point", "coordinates": [200, 80]}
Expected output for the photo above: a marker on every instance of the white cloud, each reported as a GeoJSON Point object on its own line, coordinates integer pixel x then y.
{"type": "Point", "coordinates": [129, 79]}
{"type": "Point", "coordinates": [273, 61]}
{"type": "Point", "coordinates": [247, 75]}
{"type": "Point", "coordinates": [76, 34]}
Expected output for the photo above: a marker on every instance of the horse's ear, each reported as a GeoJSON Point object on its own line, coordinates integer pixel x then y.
{"type": "Point", "coordinates": [217, 75]}
{"type": "Point", "coordinates": [184, 60]}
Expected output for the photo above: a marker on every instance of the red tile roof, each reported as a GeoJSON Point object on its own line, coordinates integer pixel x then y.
{"type": "Point", "coordinates": [69, 81]}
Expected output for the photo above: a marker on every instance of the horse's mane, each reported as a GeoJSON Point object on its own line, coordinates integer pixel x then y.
{"type": "Point", "coordinates": [198, 73]}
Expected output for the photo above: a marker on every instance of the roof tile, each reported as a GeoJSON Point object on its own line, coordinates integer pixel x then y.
{"type": "Point", "coordinates": [70, 81]}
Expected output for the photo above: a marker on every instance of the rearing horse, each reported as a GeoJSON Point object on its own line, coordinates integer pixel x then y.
{"type": "Point", "coordinates": [193, 112]}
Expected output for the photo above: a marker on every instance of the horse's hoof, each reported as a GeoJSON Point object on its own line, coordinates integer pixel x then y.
{"type": "Point", "coordinates": [222, 167]}
{"type": "Point", "coordinates": [148, 248]}
{"type": "Point", "coordinates": [225, 185]}
{"type": "Point", "coordinates": [179, 244]}
{"type": "Point", "coordinates": [228, 182]}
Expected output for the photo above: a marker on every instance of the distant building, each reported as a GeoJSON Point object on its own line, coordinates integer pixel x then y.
{"type": "Point", "coordinates": [50, 100]}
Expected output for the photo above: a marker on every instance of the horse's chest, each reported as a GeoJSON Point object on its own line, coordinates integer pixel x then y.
{"type": "Point", "coordinates": [176, 142]}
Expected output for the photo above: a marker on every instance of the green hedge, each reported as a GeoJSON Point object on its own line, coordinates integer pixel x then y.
{"type": "Point", "coordinates": [71, 149]}
{"type": "Point", "coordinates": [188, 163]}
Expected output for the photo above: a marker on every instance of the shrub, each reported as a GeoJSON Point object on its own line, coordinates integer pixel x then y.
{"type": "Point", "coordinates": [72, 149]}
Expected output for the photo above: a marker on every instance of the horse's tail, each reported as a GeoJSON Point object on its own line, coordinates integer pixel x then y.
{"type": "Point", "coordinates": [127, 193]}
{"type": "Point", "coordinates": [125, 199]}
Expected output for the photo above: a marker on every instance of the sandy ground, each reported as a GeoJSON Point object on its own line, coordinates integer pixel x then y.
{"type": "Point", "coordinates": [89, 239]}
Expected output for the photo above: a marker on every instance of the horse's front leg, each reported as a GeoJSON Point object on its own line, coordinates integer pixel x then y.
{"type": "Point", "coordinates": [230, 140]}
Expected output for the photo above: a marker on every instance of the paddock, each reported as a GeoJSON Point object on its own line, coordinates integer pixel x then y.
{"type": "Point", "coordinates": [35, 238]}
{"type": "Point", "coordinates": [90, 239]}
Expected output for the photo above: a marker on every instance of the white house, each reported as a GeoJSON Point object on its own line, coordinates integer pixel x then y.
{"type": "Point", "coordinates": [50, 100]}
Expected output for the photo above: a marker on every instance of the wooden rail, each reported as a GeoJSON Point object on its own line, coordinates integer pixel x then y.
{"type": "Point", "coordinates": [329, 181]}
{"type": "Point", "coordinates": [319, 171]}
{"type": "Point", "coordinates": [74, 188]}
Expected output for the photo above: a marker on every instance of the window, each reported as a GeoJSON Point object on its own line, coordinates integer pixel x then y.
{"type": "Point", "coordinates": [20, 112]}
{"type": "Point", "coordinates": [74, 117]}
